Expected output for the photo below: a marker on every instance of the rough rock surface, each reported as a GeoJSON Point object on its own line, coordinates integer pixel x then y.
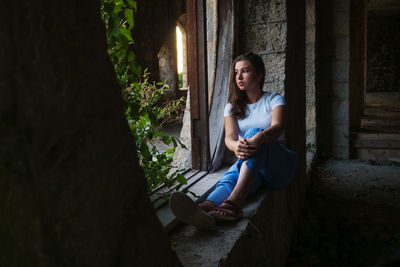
{"type": "Point", "coordinates": [264, 33]}
{"type": "Point", "coordinates": [352, 216]}
{"type": "Point", "coordinates": [71, 190]}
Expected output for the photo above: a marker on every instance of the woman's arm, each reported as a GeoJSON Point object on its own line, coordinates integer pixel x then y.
{"type": "Point", "coordinates": [272, 133]}
{"type": "Point", "coordinates": [241, 148]}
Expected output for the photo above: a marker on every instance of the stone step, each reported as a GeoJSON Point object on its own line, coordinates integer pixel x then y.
{"type": "Point", "coordinates": [374, 136]}
{"type": "Point", "coordinates": [377, 147]}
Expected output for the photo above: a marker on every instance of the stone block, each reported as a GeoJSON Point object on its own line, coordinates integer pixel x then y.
{"type": "Point", "coordinates": [261, 11]}
{"type": "Point", "coordinates": [311, 136]}
{"type": "Point", "coordinates": [341, 152]}
{"type": "Point", "coordinates": [340, 112]}
{"type": "Point", "coordinates": [340, 70]}
{"type": "Point", "coordinates": [310, 12]}
{"type": "Point", "coordinates": [274, 71]}
{"type": "Point", "coordinates": [341, 91]}
{"type": "Point", "coordinates": [342, 48]}
{"type": "Point", "coordinates": [340, 134]}
{"type": "Point", "coordinates": [341, 23]}
{"type": "Point", "coordinates": [183, 156]}
{"type": "Point", "coordinates": [310, 34]}
{"type": "Point", "coordinates": [310, 116]}
{"type": "Point", "coordinates": [341, 5]}
{"type": "Point", "coordinates": [267, 37]}
{"type": "Point", "coordinates": [310, 93]}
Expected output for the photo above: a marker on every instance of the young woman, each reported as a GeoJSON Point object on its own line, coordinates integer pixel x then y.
{"type": "Point", "coordinates": [254, 123]}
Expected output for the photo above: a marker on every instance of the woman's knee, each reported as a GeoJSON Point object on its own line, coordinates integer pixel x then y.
{"type": "Point", "coordinates": [253, 131]}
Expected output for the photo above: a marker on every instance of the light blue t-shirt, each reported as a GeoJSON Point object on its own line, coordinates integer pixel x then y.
{"type": "Point", "coordinates": [259, 114]}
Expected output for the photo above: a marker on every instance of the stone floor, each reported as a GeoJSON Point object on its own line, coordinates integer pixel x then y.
{"type": "Point", "coordinates": [351, 217]}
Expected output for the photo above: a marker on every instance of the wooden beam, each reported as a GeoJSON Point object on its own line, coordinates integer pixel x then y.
{"type": "Point", "coordinates": [198, 80]}
{"type": "Point", "coordinates": [192, 60]}
{"type": "Point", "coordinates": [358, 42]}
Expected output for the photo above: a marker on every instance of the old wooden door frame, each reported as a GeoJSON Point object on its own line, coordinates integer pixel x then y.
{"type": "Point", "coordinates": [358, 55]}
{"type": "Point", "coordinates": [198, 80]}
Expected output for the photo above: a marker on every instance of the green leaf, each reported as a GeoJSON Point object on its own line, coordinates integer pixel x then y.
{"type": "Point", "coordinates": [125, 32]}
{"type": "Point", "coordinates": [166, 140]}
{"type": "Point", "coordinates": [115, 20]}
{"type": "Point", "coordinates": [181, 179]}
{"type": "Point", "coordinates": [170, 150]}
{"type": "Point", "coordinates": [132, 4]}
{"type": "Point", "coordinates": [129, 17]}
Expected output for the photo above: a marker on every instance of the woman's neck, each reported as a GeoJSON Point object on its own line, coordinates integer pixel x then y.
{"type": "Point", "coordinates": [254, 96]}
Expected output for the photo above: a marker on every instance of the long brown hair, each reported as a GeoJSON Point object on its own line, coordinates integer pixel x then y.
{"type": "Point", "coordinates": [237, 97]}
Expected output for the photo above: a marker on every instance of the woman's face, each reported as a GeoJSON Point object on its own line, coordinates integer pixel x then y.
{"type": "Point", "coordinates": [246, 77]}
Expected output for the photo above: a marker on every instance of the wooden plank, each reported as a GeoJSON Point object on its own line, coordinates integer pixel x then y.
{"type": "Point", "coordinates": [226, 51]}
{"type": "Point", "coordinates": [295, 84]}
{"type": "Point", "coordinates": [192, 57]}
{"type": "Point", "coordinates": [195, 152]}
{"type": "Point", "coordinates": [197, 70]}
{"type": "Point", "coordinates": [203, 130]}
{"type": "Point", "coordinates": [162, 189]}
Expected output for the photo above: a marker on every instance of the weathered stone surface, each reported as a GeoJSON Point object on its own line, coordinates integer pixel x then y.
{"type": "Point", "coordinates": [274, 72]}
{"type": "Point", "coordinates": [350, 219]}
{"type": "Point", "coordinates": [342, 48]}
{"type": "Point", "coordinates": [261, 238]}
{"type": "Point", "coordinates": [383, 67]}
{"type": "Point", "coordinates": [71, 190]}
{"type": "Point", "coordinates": [265, 31]}
{"type": "Point", "coordinates": [183, 156]}
{"type": "Point", "coordinates": [267, 37]}
{"type": "Point", "coordinates": [332, 90]}
{"type": "Point", "coordinates": [341, 22]}
{"type": "Point", "coordinates": [262, 11]}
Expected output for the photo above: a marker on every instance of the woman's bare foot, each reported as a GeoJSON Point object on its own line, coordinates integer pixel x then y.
{"type": "Point", "coordinates": [207, 206]}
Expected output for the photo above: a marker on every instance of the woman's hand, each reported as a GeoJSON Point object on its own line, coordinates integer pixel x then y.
{"type": "Point", "coordinates": [256, 140]}
{"type": "Point", "coordinates": [243, 149]}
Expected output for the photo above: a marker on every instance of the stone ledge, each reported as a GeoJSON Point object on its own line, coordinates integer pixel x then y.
{"type": "Point", "coordinates": [212, 247]}
{"type": "Point", "coordinates": [261, 238]}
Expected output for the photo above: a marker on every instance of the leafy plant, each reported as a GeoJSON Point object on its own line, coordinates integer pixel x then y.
{"type": "Point", "coordinates": [144, 111]}
{"type": "Point", "coordinates": [118, 16]}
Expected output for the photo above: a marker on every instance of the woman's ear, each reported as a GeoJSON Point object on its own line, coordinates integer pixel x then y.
{"type": "Point", "coordinates": [259, 77]}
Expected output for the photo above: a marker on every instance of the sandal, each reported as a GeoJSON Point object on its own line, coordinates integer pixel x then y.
{"type": "Point", "coordinates": [187, 211]}
{"type": "Point", "coordinates": [227, 211]}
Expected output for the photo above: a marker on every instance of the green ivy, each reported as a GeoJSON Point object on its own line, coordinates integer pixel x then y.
{"type": "Point", "coordinates": [118, 16]}
{"type": "Point", "coordinates": [142, 97]}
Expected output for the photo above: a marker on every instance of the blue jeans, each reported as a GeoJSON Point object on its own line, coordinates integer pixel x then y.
{"type": "Point", "coordinates": [272, 166]}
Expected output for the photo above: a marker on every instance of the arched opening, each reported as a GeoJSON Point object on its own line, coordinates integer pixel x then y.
{"type": "Point", "coordinates": [181, 43]}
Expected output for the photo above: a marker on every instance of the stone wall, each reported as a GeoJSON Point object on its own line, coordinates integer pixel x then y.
{"type": "Point", "coordinates": [383, 53]}
{"type": "Point", "coordinates": [263, 31]}
{"type": "Point", "coordinates": [71, 190]}
{"type": "Point", "coordinates": [332, 87]}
